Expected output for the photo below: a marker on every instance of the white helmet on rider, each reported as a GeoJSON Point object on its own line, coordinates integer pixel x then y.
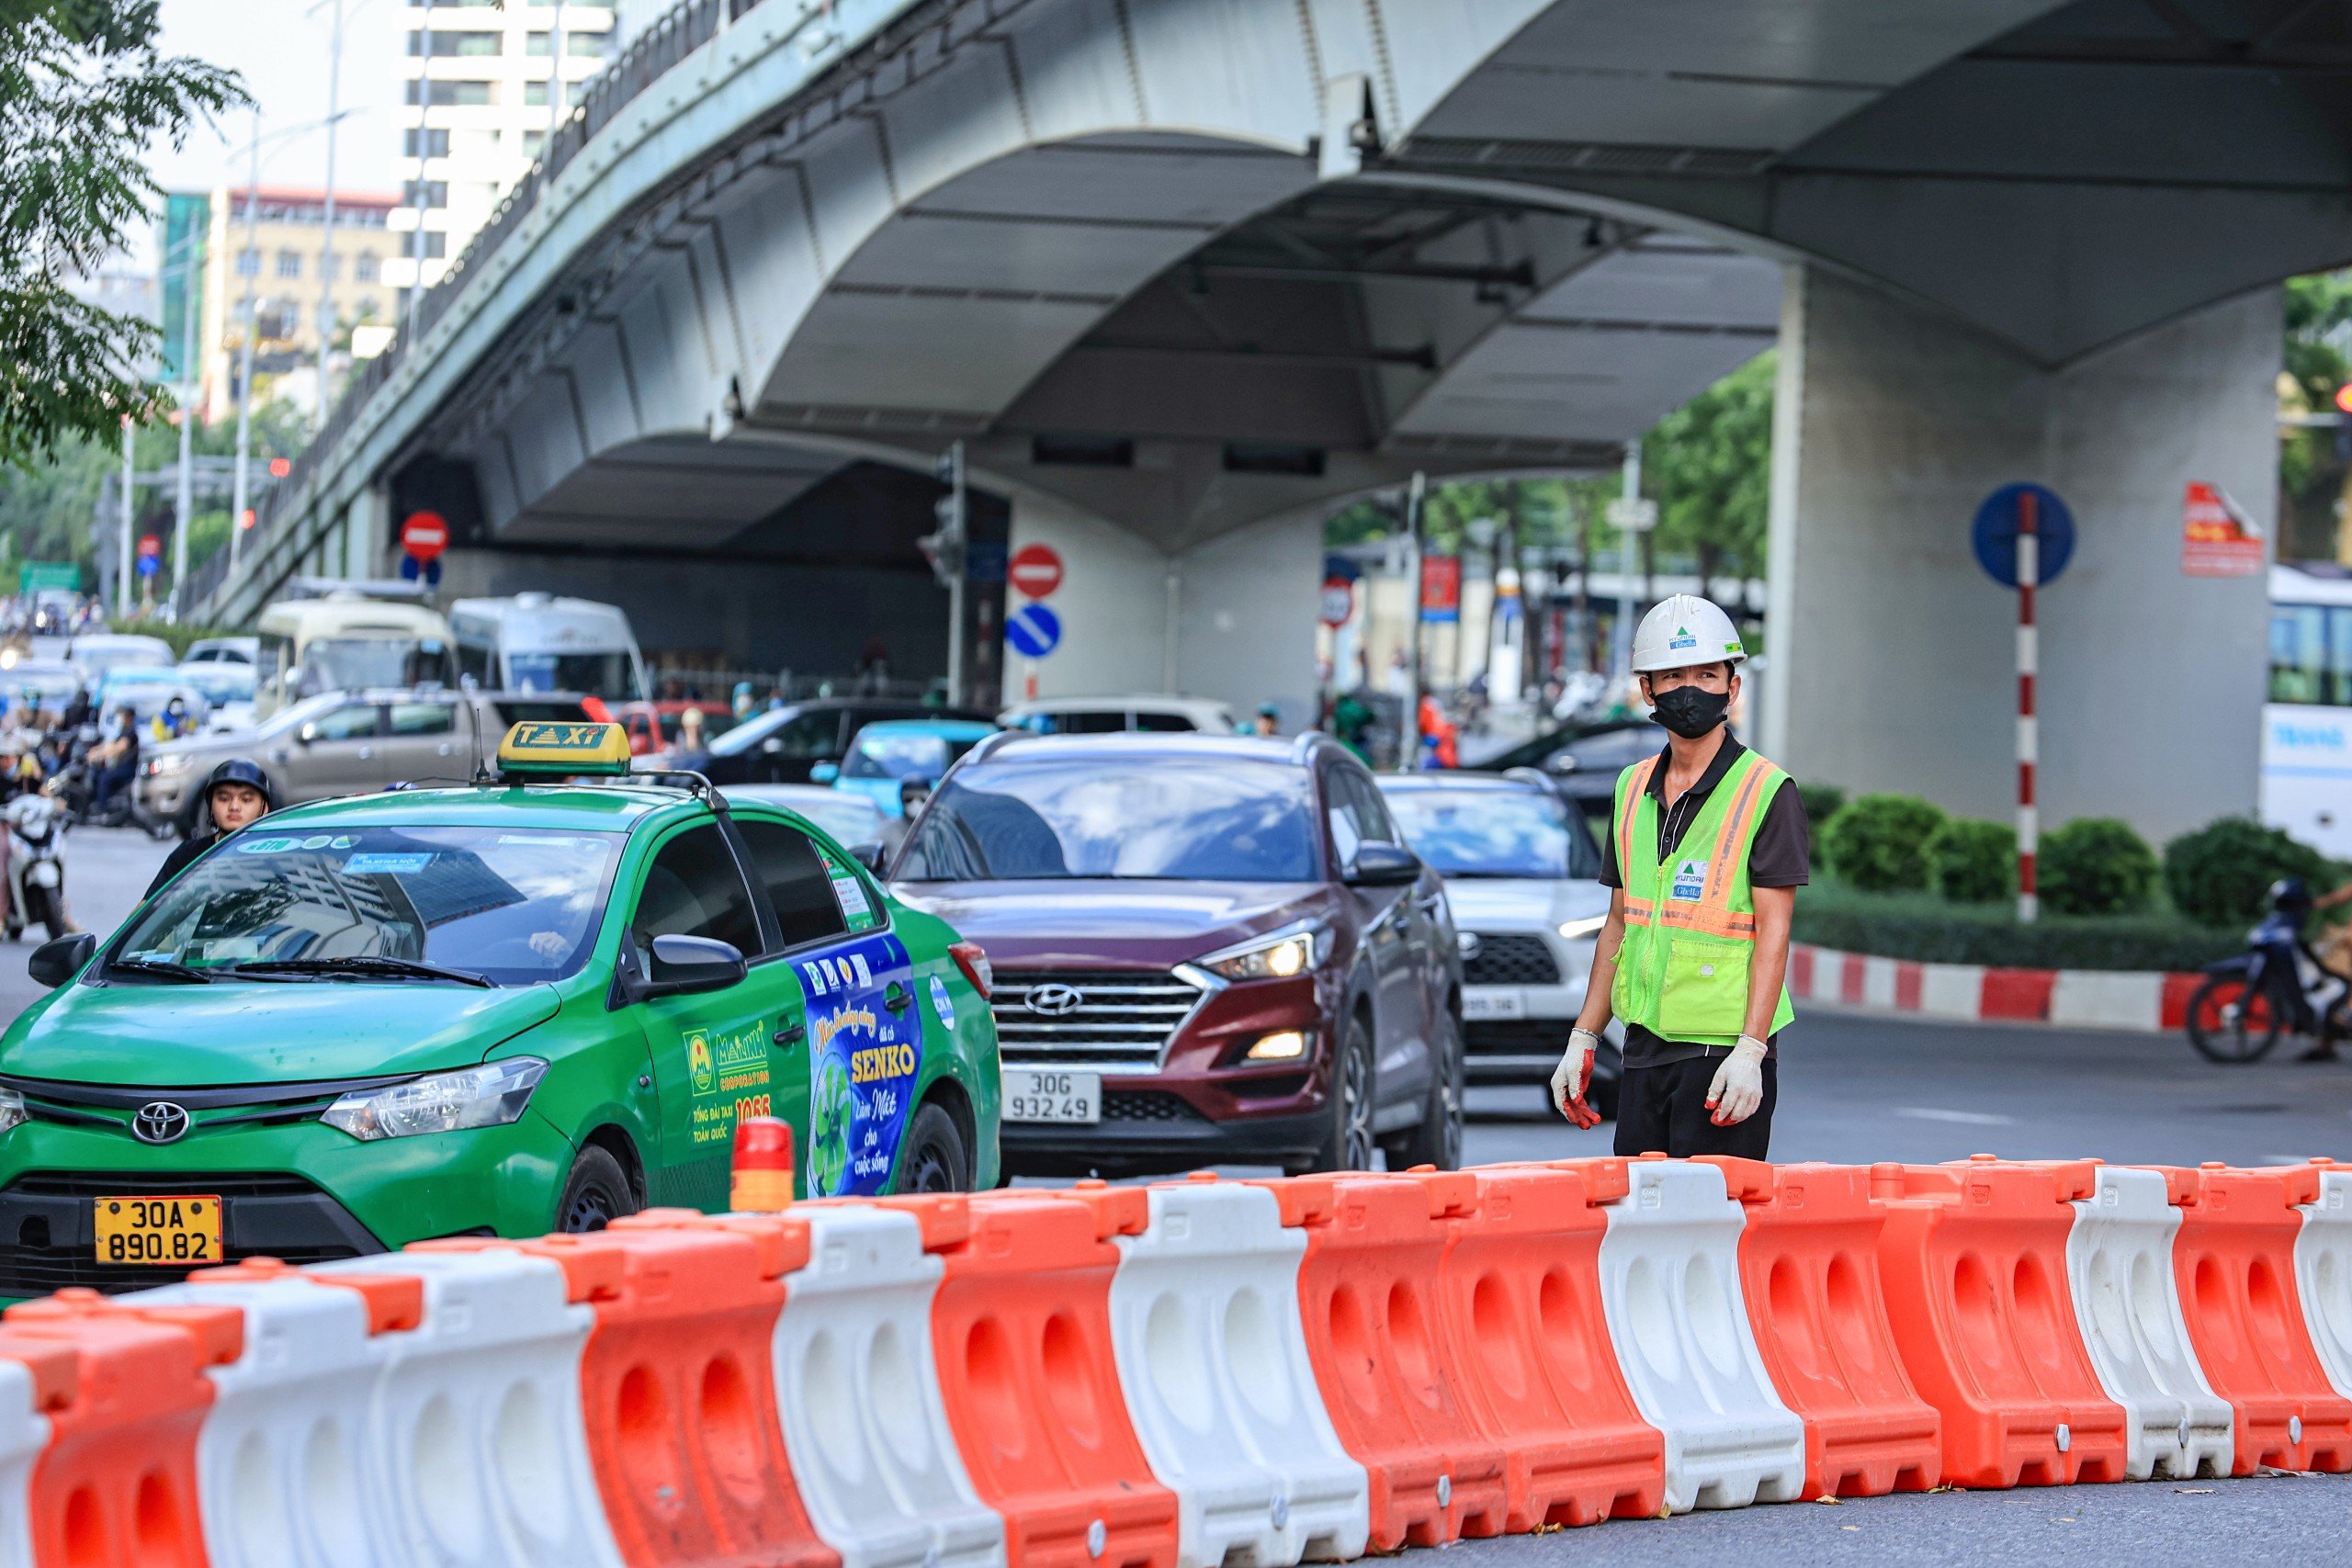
{"type": "Point", "coordinates": [1682, 630]}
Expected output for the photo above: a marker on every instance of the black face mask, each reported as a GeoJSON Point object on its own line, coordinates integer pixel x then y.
{"type": "Point", "coordinates": [1690, 712]}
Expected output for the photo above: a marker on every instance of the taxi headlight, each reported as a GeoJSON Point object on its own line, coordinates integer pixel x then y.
{"type": "Point", "coordinates": [1577, 930]}
{"type": "Point", "coordinates": [1276, 957]}
{"type": "Point", "coordinates": [489, 1096]}
{"type": "Point", "coordinates": [12, 1110]}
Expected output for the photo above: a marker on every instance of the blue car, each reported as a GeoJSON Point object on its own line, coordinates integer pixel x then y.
{"type": "Point", "coordinates": [889, 751]}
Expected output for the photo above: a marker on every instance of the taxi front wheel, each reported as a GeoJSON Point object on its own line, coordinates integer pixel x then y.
{"type": "Point", "coordinates": [597, 1194]}
{"type": "Point", "coordinates": [934, 1159]}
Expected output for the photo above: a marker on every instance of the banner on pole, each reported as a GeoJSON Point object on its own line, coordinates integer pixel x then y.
{"type": "Point", "coordinates": [2217, 537]}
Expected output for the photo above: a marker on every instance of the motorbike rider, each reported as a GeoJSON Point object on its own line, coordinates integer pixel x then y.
{"type": "Point", "coordinates": [2331, 949]}
{"type": "Point", "coordinates": [237, 795]}
{"type": "Point", "coordinates": [115, 758]}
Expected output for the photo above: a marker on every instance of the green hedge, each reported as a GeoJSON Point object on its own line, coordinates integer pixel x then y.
{"type": "Point", "coordinates": [1879, 842]}
{"type": "Point", "coordinates": [1822, 802]}
{"type": "Point", "coordinates": [1920, 926]}
{"type": "Point", "coordinates": [1974, 863]}
{"type": "Point", "coordinates": [2096, 865]}
{"type": "Point", "coordinates": [2222, 872]}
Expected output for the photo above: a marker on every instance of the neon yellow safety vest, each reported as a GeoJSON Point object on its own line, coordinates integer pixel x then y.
{"type": "Point", "coordinates": [1690, 919]}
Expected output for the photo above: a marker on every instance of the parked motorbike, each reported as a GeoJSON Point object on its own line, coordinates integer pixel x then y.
{"type": "Point", "coordinates": [2276, 986]}
{"type": "Point", "coordinates": [36, 827]}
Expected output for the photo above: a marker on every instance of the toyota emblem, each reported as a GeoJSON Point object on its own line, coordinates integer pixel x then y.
{"type": "Point", "coordinates": [1469, 943]}
{"type": "Point", "coordinates": [160, 1121]}
{"type": "Point", "coordinates": [1054, 1000]}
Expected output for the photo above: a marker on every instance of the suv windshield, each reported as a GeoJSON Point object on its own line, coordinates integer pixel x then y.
{"type": "Point", "coordinates": [1493, 832]}
{"type": "Point", "coordinates": [513, 907]}
{"type": "Point", "coordinates": [611, 675]}
{"type": "Point", "coordinates": [1191, 819]}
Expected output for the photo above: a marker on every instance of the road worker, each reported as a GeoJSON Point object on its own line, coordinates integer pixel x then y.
{"type": "Point", "coordinates": [1709, 844]}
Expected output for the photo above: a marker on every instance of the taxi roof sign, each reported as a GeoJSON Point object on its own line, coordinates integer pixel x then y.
{"type": "Point", "coordinates": [537, 746]}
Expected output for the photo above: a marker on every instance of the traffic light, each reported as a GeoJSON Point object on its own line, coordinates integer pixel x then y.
{"type": "Point", "coordinates": [946, 548]}
{"type": "Point", "coordinates": [280, 467]}
{"type": "Point", "coordinates": [2344, 422]}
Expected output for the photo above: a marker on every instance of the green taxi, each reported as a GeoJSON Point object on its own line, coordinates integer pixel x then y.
{"type": "Point", "coordinates": [534, 1004]}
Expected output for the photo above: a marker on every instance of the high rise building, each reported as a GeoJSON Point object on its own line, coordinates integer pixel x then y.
{"type": "Point", "coordinates": [474, 112]}
{"type": "Point", "coordinates": [278, 262]}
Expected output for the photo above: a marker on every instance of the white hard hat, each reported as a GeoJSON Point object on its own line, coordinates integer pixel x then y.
{"type": "Point", "coordinates": [1682, 630]}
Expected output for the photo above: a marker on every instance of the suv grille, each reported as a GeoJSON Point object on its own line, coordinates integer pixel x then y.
{"type": "Point", "coordinates": [1510, 958]}
{"type": "Point", "coordinates": [1145, 1105]}
{"type": "Point", "coordinates": [1118, 1017]}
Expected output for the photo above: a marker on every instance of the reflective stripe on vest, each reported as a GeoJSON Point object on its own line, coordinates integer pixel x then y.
{"type": "Point", "coordinates": [1712, 913]}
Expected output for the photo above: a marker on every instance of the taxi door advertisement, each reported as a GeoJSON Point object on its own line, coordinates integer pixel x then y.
{"type": "Point", "coordinates": [865, 1055]}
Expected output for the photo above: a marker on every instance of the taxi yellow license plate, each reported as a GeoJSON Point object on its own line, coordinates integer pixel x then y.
{"type": "Point", "coordinates": [178, 1230]}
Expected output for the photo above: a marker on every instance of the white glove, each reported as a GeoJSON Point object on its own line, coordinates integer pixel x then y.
{"type": "Point", "coordinates": [1573, 1076]}
{"type": "Point", "coordinates": [1738, 1090]}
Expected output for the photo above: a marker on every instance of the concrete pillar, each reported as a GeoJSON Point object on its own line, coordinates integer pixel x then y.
{"type": "Point", "coordinates": [1232, 618]}
{"type": "Point", "coordinates": [1893, 654]}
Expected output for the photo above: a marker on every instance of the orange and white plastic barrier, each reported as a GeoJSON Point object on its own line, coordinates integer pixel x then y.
{"type": "Point", "coordinates": [1669, 1281]}
{"type": "Point", "coordinates": [1213, 1360]}
{"type": "Point", "coordinates": [1181, 1375]}
{"type": "Point", "coordinates": [2120, 1270]}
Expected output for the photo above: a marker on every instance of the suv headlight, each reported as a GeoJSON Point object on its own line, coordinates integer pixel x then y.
{"type": "Point", "coordinates": [12, 1110]}
{"type": "Point", "coordinates": [1577, 930]}
{"type": "Point", "coordinates": [489, 1096]}
{"type": "Point", "coordinates": [1277, 955]}
{"type": "Point", "coordinates": [171, 763]}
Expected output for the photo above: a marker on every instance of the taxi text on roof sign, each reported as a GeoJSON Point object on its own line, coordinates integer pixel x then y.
{"type": "Point", "coordinates": [537, 746]}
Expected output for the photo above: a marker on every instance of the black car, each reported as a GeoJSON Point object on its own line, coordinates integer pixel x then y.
{"type": "Point", "coordinates": [1209, 950]}
{"type": "Point", "coordinates": [782, 745]}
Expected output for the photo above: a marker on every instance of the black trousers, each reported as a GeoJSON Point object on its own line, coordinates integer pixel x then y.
{"type": "Point", "coordinates": [1665, 1108]}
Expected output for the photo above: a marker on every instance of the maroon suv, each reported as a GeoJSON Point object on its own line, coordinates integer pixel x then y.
{"type": "Point", "coordinates": [1209, 950]}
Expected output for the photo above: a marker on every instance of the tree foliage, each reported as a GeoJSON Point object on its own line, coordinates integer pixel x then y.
{"type": "Point", "coordinates": [1709, 466]}
{"type": "Point", "coordinates": [83, 90]}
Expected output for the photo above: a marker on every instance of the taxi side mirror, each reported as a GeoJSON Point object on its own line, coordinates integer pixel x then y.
{"type": "Point", "coordinates": [689, 965]}
{"type": "Point", "coordinates": [307, 734]}
{"type": "Point", "coordinates": [824, 773]}
{"type": "Point", "coordinates": [871, 855]}
{"type": "Point", "coordinates": [54, 963]}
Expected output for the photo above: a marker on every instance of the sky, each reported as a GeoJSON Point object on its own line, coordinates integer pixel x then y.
{"type": "Point", "coordinates": [280, 49]}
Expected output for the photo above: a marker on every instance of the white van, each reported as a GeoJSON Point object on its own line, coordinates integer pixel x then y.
{"type": "Point", "coordinates": [345, 641]}
{"type": "Point", "coordinates": [536, 642]}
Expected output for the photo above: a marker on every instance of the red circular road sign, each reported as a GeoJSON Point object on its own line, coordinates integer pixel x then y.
{"type": "Point", "coordinates": [1339, 602]}
{"type": "Point", "coordinates": [424, 536]}
{"type": "Point", "coordinates": [150, 544]}
{"type": "Point", "coordinates": [1036, 569]}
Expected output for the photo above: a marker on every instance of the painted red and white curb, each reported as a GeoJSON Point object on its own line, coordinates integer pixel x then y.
{"type": "Point", "coordinates": [1977, 993]}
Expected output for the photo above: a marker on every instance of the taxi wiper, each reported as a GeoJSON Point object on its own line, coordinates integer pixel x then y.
{"type": "Point", "coordinates": [163, 969]}
{"type": "Point", "coordinates": [401, 968]}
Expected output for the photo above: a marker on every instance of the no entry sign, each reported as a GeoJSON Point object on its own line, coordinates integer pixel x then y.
{"type": "Point", "coordinates": [1035, 571]}
{"type": "Point", "coordinates": [424, 536]}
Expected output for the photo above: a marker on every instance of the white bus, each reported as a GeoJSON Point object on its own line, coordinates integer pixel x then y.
{"type": "Point", "coordinates": [536, 642]}
{"type": "Point", "coordinates": [2306, 722]}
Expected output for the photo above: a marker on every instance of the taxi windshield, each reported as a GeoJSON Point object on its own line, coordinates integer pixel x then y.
{"type": "Point", "coordinates": [467, 905]}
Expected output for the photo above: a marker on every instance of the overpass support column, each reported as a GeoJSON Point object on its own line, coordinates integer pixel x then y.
{"type": "Point", "coordinates": [1230, 618]}
{"type": "Point", "coordinates": [1893, 655]}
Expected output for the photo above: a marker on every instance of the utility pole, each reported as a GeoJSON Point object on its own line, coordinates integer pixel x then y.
{"type": "Point", "coordinates": [326, 243]}
{"type": "Point", "coordinates": [245, 351]}
{"type": "Point", "coordinates": [185, 516]}
{"type": "Point", "coordinates": [1632, 515]}
{"type": "Point", "coordinates": [946, 549]}
{"type": "Point", "coordinates": [424, 134]}
{"type": "Point", "coordinates": [123, 561]}
{"type": "Point", "coordinates": [1408, 728]}
{"type": "Point", "coordinates": [555, 81]}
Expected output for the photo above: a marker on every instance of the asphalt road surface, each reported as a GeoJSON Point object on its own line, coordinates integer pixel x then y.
{"type": "Point", "coordinates": [1853, 1089]}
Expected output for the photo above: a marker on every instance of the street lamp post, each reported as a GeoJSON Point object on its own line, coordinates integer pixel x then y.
{"type": "Point", "coordinates": [189, 386]}
{"type": "Point", "coordinates": [327, 241]}
{"type": "Point", "coordinates": [555, 81]}
{"type": "Point", "coordinates": [424, 134]}
{"type": "Point", "coordinates": [122, 561]}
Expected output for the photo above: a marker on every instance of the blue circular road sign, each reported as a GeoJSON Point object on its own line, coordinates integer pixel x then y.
{"type": "Point", "coordinates": [1995, 534]}
{"type": "Point", "coordinates": [1033, 631]}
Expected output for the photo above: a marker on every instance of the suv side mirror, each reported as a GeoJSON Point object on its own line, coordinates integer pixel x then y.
{"type": "Point", "coordinates": [689, 965]}
{"type": "Point", "coordinates": [55, 962]}
{"type": "Point", "coordinates": [871, 855]}
{"type": "Point", "coordinates": [307, 734]}
{"type": "Point", "coordinates": [1379, 864]}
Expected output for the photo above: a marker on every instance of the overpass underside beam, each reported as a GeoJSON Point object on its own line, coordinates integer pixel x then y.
{"type": "Point", "coordinates": [1894, 655]}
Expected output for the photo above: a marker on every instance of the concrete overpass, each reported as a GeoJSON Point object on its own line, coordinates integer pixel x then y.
{"type": "Point", "coordinates": [1182, 273]}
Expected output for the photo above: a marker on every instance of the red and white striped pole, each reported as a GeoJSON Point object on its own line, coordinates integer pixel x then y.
{"type": "Point", "coordinates": [2028, 733]}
